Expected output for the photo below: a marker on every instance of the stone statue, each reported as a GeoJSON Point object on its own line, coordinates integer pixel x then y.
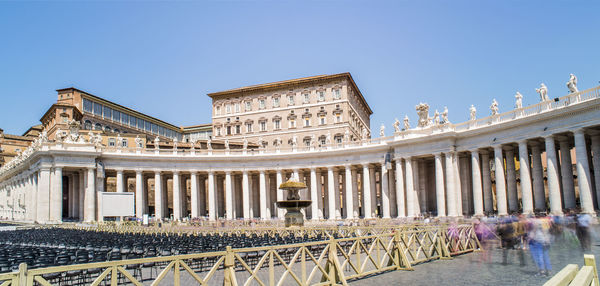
{"type": "Point", "coordinates": [382, 130]}
{"type": "Point", "coordinates": [364, 133]}
{"type": "Point", "coordinates": [60, 135]}
{"type": "Point", "coordinates": [294, 141]}
{"type": "Point", "coordinates": [209, 144]}
{"type": "Point", "coordinates": [518, 100]}
{"type": "Point", "coordinates": [445, 115]}
{"type": "Point", "coordinates": [436, 118]}
{"type": "Point", "coordinates": [572, 84]}
{"type": "Point", "coordinates": [313, 140]}
{"type": "Point", "coordinates": [406, 122]}
{"type": "Point", "coordinates": [261, 142]}
{"type": "Point", "coordinates": [175, 143]}
{"type": "Point", "coordinates": [98, 140]}
{"type": "Point", "coordinates": [277, 142]}
{"type": "Point", "coordinates": [543, 91]}
{"type": "Point", "coordinates": [328, 139]}
{"type": "Point", "coordinates": [347, 136]}
{"type": "Point", "coordinates": [494, 107]}
{"type": "Point", "coordinates": [44, 137]}
{"type": "Point", "coordinates": [73, 131]}
{"type": "Point", "coordinates": [156, 142]}
{"type": "Point", "coordinates": [119, 140]}
{"type": "Point", "coordinates": [423, 112]}
{"type": "Point", "coordinates": [473, 112]}
{"type": "Point", "coordinates": [397, 125]}
{"type": "Point", "coordinates": [138, 141]}
{"type": "Point", "coordinates": [245, 145]}
{"type": "Point", "coordinates": [226, 143]}
{"type": "Point", "coordinates": [91, 137]}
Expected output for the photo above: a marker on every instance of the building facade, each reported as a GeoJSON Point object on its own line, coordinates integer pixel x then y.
{"type": "Point", "coordinates": [327, 109]}
{"type": "Point", "coordinates": [443, 169]}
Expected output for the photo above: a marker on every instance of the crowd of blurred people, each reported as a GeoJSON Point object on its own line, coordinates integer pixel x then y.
{"type": "Point", "coordinates": [519, 234]}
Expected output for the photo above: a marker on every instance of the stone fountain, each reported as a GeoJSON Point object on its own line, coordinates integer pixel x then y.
{"type": "Point", "coordinates": [293, 204]}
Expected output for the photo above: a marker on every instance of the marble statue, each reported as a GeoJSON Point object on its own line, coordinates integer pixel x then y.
{"type": "Point", "coordinates": [365, 133]}
{"type": "Point", "coordinates": [397, 125]}
{"type": "Point", "coordinates": [543, 91]}
{"type": "Point", "coordinates": [91, 137]}
{"type": "Point", "coordinates": [444, 115]}
{"type": "Point", "coordinates": [423, 112]}
{"type": "Point", "coordinates": [98, 140]}
{"type": "Point", "coordinates": [518, 100]}
{"type": "Point", "coordinates": [572, 84]}
{"type": "Point", "coordinates": [436, 118]}
{"type": "Point", "coordinates": [494, 107]}
{"type": "Point", "coordinates": [382, 130]}
{"type": "Point", "coordinates": [328, 139]}
{"type": "Point", "coordinates": [406, 122]}
{"type": "Point", "coordinates": [119, 140]}
{"type": "Point", "coordinates": [261, 142]}
{"type": "Point", "coordinates": [156, 142]}
{"type": "Point", "coordinates": [209, 144]}
{"type": "Point", "coordinates": [175, 141]}
{"type": "Point", "coordinates": [226, 143]}
{"type": "Point", "coordinates": [313, 140]}
{"type": "Point", "coordinates": [473, 112]}
{"type": "Point", "coordinates": [294, 141]}
{"type": "Point", "coordinates": [138, 141]}
{"type": "Point", "coordinates": [347, 136]}
{"type": "Point", "coordinates": [60, 135]}
{"type": "Point", "coordinates": [277, 142]}
{"type": "Point", "coordinates": [44, 136]}
{"type": "Point", "coordinates": [245, 144]}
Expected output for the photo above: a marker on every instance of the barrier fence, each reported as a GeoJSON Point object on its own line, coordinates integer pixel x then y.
{"type": "Point", "coordinates": [334, 261]}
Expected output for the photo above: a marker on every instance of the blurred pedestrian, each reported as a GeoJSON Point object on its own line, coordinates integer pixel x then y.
{"type": "Point", "coordinates": [539, 244]}
{"type": "Point", "coordinates": [583, 231]}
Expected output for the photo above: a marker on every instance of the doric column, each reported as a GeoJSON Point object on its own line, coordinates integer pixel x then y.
{"type": "Point", "coordinates": [314, 193]}
{"type": "Point", "coordinates": [43, 200]}
{"type": "Point", "coordinates": [139, 194]}
{"type": "Point", "coordinates": [385, 194]}
{"type": "Point", "coordinates": [203, 202]}
{"type": "Point", "coordinates": [457, 185]}
{"type": "Point", "coordinates": [500, 183]}
{"type": "Point", "coordinates": [366, 191]}
{"type": "Point", "coordinates": [486, 175]}
{"type": "Point", "coordinates": [400, 189]}
{"type": "Point", "coordinates": [279, 180]}
{"type": "Point", "coordinates": [212, 206]}
{"type": "Point", "coordinates": [583, 173]}
{"type": "Point", "coordinates": [566, 166]}
{"type": "Point", "coordinates": [90, 196]}
{"type": "Point", "coordinates": [82, 182]}
{"type": "Point", "coordinates": [373, 181]}
{"type": "Point", "coordinates": [349, 189]}
{"type": "Point", "coordinates": [336, 197]}
{"type": "Point", "coordinates": [410, 189]}
{"type": "Point", "coordinates": [176, 196]}
{"type": "Point", "coordinates": [331, 193]}
{"type": "Point", "coordinates": [194, 194]}
{"type": "Point", "coordinates": [120, 183]}
{"type": "Point", "coordinates": [228, 196]}
{"type": "Point", "coordinates": [71, 191]}
{"type": "Point", "coordinates": [76, 192]}
{"type": "Point", "coordinates": [476, 177]}
{"type": "Point", "coordinates": [56, 196]}
{"type": "Point", "coordinates": [450, 191]}
{"type": "Point", "coordinates": [596, 163]}
{"type": "Point", "coordinates": [439, 185]}
{"type": "Point", "coordinates": [246, 195]}
{"type": "Point", "coordinates": [539, 194]}
{"type": "Point", "coordinates": [355, 206]}
{"type": "Point", "coordinates": [552, 173]}
{"type": "Point", "coordinates": [511, 180]}
{"type": "Point", "coordinates": [33, 198]}
{"type": "Point", "coordinates": [524, 174]}
{"type": "Point", "coordinates": [158, 195]}
{"type": "Point", "coordinates": [263, 195]}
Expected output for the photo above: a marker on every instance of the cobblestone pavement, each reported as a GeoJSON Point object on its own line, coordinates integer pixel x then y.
{"type": "Point", "coordinates": [468, 270]}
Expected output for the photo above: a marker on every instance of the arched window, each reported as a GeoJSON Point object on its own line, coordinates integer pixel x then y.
{"type": "Point", "coordinates": [98, 127]}
{"type": "Point", "coordinates": [322, 140]}
{"type": "Point", "coordinates": [306, 141]}
{"type": "Point", "coordinates": [87, 125]}
{"type": "Point", "coordinates": [107, 129]}
{"type": "Point", "coordinates": [117, 131]}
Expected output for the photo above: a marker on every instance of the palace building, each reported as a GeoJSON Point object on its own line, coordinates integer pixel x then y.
{"type": "Point", "coordinates": [316, 129]}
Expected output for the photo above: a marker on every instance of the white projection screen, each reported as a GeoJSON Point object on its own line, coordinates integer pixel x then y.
{"type": "Point", "coordinates": [118, 204]}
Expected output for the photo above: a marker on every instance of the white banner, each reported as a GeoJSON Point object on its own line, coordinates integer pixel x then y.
{"type": "Point", "coordinates": [118, 204]}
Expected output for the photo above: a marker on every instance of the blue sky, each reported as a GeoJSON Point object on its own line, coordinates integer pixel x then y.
{"type": "Point", "coordinates": [162, 58]}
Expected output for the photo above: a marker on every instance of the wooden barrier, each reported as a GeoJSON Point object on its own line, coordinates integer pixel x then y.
{"type": "Point", "coordinates": [569, 275]}
{"type": "Point", "coordinates": [329, 262]}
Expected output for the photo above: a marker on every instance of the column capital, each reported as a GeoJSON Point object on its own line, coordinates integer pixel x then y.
{"type": "Point", "coordinates": [157, 172]}
{"type": "Point", "coordinates": [313, 168]}
{"type": "Point", "coordinates": [522, 141]}
{"type": "Point", "coordinates": [580, 131]}
{"type": "Point", "coordinates": [175, 172]}
{"type": "Point", "coordinates": [119, 170]}
{"type": "Point", "coordinates": [138, 172]}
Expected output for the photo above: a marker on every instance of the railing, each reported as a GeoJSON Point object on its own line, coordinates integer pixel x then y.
{"type": "Point", "coordinates": [570, 275]}
{"type": "Point", "coordinates": [329, 262]}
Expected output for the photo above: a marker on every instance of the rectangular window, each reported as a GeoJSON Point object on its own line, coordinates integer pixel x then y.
{"type": "Point", "coordinates": [237, 108]}
{"type": "Point", "coordinates": [111, 142]}
{"type": "Point", "coordinates": [337, 94]}
{"type": "Point", "coordinates": [154, 128]}
{"type": "Point", "coordinates": [124, 118]}
{"type": "Point", "coordinates": [87, 105]}
{"type": "Point", "coordinates": [276, 102]}
{"type": "Point", "coordinates": [306, 98]}
{"type": "Point", "coordinates": [116, 116]}
{"type": "Point", "coordinates": [321, 96]}
{"type": "Point", "coordinates": [322, 120]}
{"type": "Point", "coordinates": [161, 131]}
{"type": "Point", "coordinates": [132, 121]}
{"type": "Point", "coordinates": [228, 128]}
{"type": "Point", "coordinates": [277, 124]}
{"type": "Point", "coordinates": [238, 129]}
{"type": "Point", "coordinates": [338, 118]}
{"type": "Point", "coordinates": [248, 105]}
{"type": "Point", "coordinates": [218, 131]}
{"type": "Point", "coordinates": [306, 122]}
{"type": "Point", "coordinates": [292, 123]}
{"type": "Point", "coordinates": [248, 127]}
{"type": "Point", "coordinates": [107, 112]}
{"type": "Point", "coordinates": [263, 126]}
{"type": "Point", "coordinates": [98, 109]}
{"type": "Point", "coordinates": [147, 126]}
{"type": "Point", "coordinates": [124, 142]}
{"type": "Point", "coordinates": [261, 103]}
{"type": "Point", "coordinates": [228, 108]}
{"type": "Point", "coordinates": [290, 99]}
{"type": "Point", "coordinates": [218, 110]}
{"type": "Point", "coordinates": [140, 123]}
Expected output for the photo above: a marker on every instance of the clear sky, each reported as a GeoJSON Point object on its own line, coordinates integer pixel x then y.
{"type": "Point", "coordinates": [162, 58]}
